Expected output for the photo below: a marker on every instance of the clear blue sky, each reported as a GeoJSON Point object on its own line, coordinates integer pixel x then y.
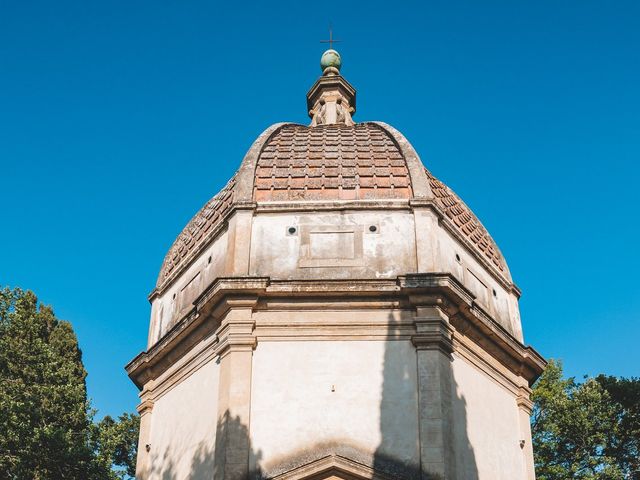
{"type": "Point", "coordinates": [119, 120]}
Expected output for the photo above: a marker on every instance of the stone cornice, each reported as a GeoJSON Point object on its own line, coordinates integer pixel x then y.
{"type": "Point", "coordinates": [336, 206]}
{"type": "Point", "coordinates": [470, 319]}
{"type": "Point", "coordinates": [207, 317]}
{"type": "Point", "coordinates": [192, 327]}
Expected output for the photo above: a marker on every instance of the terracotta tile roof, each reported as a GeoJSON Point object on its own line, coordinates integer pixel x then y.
{"type": "Point", "coordinates": [465, 221]}
{"type": "Point", "coordinates": [331, 162]}
{"type": "Point", "coordinates": [198, 231]}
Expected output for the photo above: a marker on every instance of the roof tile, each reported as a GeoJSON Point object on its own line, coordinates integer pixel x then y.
{"type": "Point", "coordinates": [328, 156]}
{"type": "Point", "coordinates": [465, 220]}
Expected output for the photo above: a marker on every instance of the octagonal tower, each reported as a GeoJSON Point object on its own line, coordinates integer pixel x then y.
{"type": "Point", "coordinates": [335, 312]}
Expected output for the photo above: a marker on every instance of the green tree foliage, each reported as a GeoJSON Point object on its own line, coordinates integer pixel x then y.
{"type": "Point", "coordinates": [115, 444]}
{"type": "Point", "coordinates": [625, 445]}
{"type": "Point", "coordinates": [585, 431]}
{"type": "Point", "coordinates": [46, 429]}
{"type": "Point", "coordinates": [43, 400]}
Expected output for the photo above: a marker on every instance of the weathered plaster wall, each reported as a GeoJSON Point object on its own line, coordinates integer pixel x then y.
{"type": "Point", "coordinates": [333, 245]}
{"type": "Point", "coordinates": [177, 299]}
{"type": "Point", "coordinates": [490, 294]}
{"type": "Point", "coordinates": [358, 394]}
{"type": "Point", "coordinates": [486, 427]}
{"type": "Point", "coordinates": [183, 427]}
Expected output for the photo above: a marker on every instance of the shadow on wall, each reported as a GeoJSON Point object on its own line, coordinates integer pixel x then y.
{"type": "Point", "coordinates": [235, 451]}
{"type": "Point", "coordinates": [204, 464]}
{"type": "Point", "coordinates": [163, 466]}
{"type": "Point", "coordinates": [399, 376]}
{"type": "Point", "coordinates": [398, 454]}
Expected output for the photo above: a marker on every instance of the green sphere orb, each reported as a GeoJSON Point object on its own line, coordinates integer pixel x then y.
{"type": "Point", "coordinates": [330, 58]}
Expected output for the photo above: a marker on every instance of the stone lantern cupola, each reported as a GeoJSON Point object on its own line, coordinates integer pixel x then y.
{"type": "Point", "coordinates": [331, 100]}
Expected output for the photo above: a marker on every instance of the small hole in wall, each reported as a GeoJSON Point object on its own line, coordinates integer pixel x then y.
{"type": "Point", "coordinates": [457, 257]}
{"type": "Point", "coordinates": [174, 296]}
{"type": "Point", "coordinates": [291, 230]}
{"type": "Point", "coordinates": [373, 229]}
{"type": "Point", "coordinates": [209, 260]}
{"type": "Point", "coordinates": [495, 294]}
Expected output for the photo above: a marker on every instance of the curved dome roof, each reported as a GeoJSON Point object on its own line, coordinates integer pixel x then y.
{"type": "Point", "coordinates": [296, 163]}
{"type": "Point", "coordinates": [331, 162]}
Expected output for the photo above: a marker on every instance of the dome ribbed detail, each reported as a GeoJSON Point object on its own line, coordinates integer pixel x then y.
{"type": "Point", "coordinates": [331, 162]}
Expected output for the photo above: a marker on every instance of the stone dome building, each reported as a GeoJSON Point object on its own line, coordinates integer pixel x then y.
{"type": "Point", "coordinates": [335, 312]}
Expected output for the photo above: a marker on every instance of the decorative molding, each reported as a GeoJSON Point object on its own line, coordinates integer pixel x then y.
{"type": "Point", "coordinates": [145, 407]}
{"type": "Point", "coordinates": [236, 336]}
{"type": "Point", "coordinates": [351, 235]}
{"type": "Point", "coordinates": [333, 206]}
{"type": "Point", "coordinates": [467, 351]}
{"type": "Point", "coordinates": [181, 370]}
{"type": "Point", "coordinates": [524, 401]}
{"type": "Point", "coordinates": [467, 322]}
{"type": "Point", "coordinates": [433, 331]}
{"type": "Point", "coordinates": [333, 89]}
{"type": "Point", "coordinates": [326, 467]}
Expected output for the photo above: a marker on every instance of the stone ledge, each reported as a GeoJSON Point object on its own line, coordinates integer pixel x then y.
{"type": "Point", "coordinates": [408, 291]}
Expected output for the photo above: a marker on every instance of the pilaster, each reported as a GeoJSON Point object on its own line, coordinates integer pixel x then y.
{"type": "Point", "coordinates": [525, 407]}
{"type": "Point", "coordinates": [239, 242]}
{"type": "Point", "coordinates": [235, 347]}
{"type": "Point", "coordinates": [143, 459]}
{"type": "Point", "coordinates": [427, 248]}
{"type": "Point", "coordinates": [433, 342]}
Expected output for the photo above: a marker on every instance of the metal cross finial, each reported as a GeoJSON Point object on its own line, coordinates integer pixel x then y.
{"type": "Point", "coordinates": [331, 41]}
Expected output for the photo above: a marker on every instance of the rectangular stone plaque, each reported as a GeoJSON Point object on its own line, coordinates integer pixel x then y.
{"type": "Point", "coordinates": [330, 246]}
